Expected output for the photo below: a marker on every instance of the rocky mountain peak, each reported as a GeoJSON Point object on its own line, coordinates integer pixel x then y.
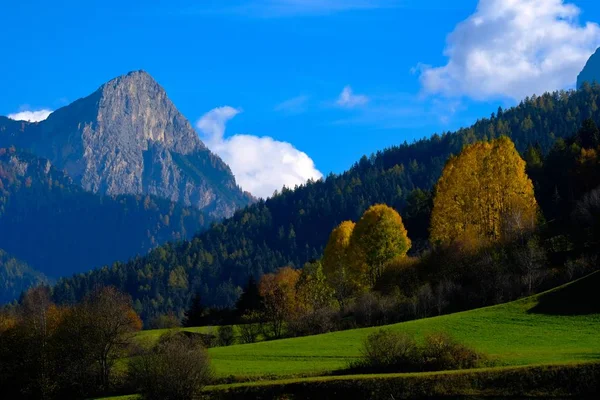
{"type": "Point", "coordinates": [129, 138]}
{"type": "Point", "coordinates": [137, 102]}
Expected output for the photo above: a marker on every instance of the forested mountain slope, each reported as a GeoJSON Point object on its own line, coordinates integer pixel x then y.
{"type": "Point", "coordinates": [59, 229]}
{"type": "Point", "coordinates": [292, 227]}
{"type": "Point", "coordinates": [16, 277]}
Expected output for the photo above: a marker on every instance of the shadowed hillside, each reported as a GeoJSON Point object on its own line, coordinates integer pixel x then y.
{"type": "Point", "coordinates": [577, 298]}
{"type": "Point", "coordinates": [58, 228]}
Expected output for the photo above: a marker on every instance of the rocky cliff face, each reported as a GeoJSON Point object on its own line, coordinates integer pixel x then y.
{"type": "Point", "coordinates": [591, 71]}
{"type": "Point", "coordinates": [128, 138]}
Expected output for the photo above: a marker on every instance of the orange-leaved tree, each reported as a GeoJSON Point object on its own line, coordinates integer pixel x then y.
{"type": "Point", "coordinates": [279, 295]}
{"type": "Point", "coordinates": [377, 238]}
{"type": "Point", "coordinates": [483, 196]}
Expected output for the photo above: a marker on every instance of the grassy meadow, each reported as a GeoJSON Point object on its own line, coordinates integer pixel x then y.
{"type": "Point", "coordinates": [512, 333]}
{"type": "Point", "coordinates": [553, 336]}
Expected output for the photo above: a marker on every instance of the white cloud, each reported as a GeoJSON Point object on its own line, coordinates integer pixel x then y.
{"type": "Point", "coordinates": [31, 116]}
{"type": "Point", "coordinates": [212, 124]}
{"type": "Point", "coordinates": [261, 165]}
{"type": "Point", "coordinates": [513, 48]}
{"type": "Point", "coordinates": [348, 99]}
{"type": "Point", "coordinates": [294, 105]}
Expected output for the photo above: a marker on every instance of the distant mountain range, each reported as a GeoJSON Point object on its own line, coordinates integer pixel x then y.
{"type": "Point", "coordinates": [128, 138]}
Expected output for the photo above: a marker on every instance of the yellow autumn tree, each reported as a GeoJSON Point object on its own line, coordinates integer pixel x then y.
{"type": "Point", "coordinates": [484, 195]}
{"type": "Point", "coordinates": [377, 238]}
{"type": "Point", "coordinates": [335, 261]}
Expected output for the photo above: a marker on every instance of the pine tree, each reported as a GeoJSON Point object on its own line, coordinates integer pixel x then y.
{"type": "Point", "coordinates": [250, 300]}
{"type": "Point", "coordinates": [194, 316]}
{"type": "Point", "coordinates": [589, 135]}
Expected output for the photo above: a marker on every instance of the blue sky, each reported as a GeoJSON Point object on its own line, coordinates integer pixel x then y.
{"type": "Point", "coordinates": [284, 90]}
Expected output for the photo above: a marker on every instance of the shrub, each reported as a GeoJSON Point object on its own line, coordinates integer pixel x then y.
{"type": "Point", "coordinates": [226, 335]}
{"type": "Point", "coordinates": [320, 321]}
{"type": "Point", "coordinates": [178, 367]}
{"type": "Point", "coordinates": [249, 328]}
{"type": "Point", "coordinates": [372, 309]}
{"type": "Point", "coordinates": [164, 321]}
{"type": "Point", "coordinates": [441, 352]}
{"type": "Point", "coordinates": [387, 350]}
{"type": "Point", "coordinates": [401, 272]}
{"type": "Point", "coordinates": [249, 332]}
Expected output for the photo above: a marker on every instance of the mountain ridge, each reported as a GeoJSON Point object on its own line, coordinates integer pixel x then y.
{"type": "Point", "coordinates": [127, 137]}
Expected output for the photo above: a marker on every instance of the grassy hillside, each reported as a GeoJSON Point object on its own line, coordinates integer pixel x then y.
{"type": "Point", "coordinates": [513, 333]}
{"type": "Point", "coordinates": [546, 345]}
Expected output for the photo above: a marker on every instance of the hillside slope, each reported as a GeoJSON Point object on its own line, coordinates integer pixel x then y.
{"type": "Point", "coordinates": [513, 333]}
{"type": "Point", "coordinates": [59, 229]}
{"type": "Point", "coordinates": [128, 138]}
{"type": "Point", "coordinates": [16, 276]}
{"type": "Point", "coordinates": [292, 227]}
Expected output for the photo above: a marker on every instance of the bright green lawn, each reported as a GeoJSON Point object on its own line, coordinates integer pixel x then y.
{"type": "Point", "coordinates": [506, 332]}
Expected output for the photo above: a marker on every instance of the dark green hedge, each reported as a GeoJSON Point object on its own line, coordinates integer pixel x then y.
{"type": "Point", "coordinates": [550, 380]}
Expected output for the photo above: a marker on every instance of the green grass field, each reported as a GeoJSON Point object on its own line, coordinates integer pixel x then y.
{"type": "Point", "coordinates": [509, 333]}
{"type": "Point", "coordinates": [552, 334]}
